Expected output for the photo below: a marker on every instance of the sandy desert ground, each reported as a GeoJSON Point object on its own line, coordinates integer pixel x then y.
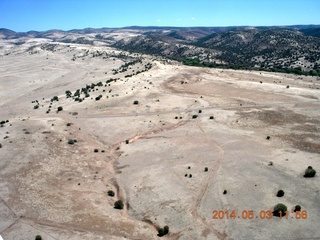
{"type": "Point", "coordinates": [153, 154]}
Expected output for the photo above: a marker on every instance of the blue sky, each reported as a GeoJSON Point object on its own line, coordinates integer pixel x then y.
{"type": "Point", "coordinates": [41, 15]}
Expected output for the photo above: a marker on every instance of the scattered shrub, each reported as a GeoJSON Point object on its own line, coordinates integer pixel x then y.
{"type": "Point", "coordinates": [288, 86]}
{"type": "Point", "coordinates": [280, 207]}
{"type": "Point", "coordinates": [200, 111]}
{"type": "Point", "coordinates": [60, 109]}
{"type": "Point", "coordinates": [225, 192]}
{"type": "Point", "coordinates": [36, 106]}
{"type": "Point", "coordinates": [268, 138]}
{"type": "Point", "coordinates": [127, 141]}
{"type": "Point", "coordinates": [211, 117]}
{"type": "Point", "coordinates": [189, 167]}
{"type": "Point", "coordinates": [297, 208]}
{"type": "Point", "coordinates": [135, 102]}
{"type": "Point", "coordinates": [190, 175]}
{"type": "Point", "coordinates": [160, 232]}
{"type": "Point", "coordinates": [165, 230]}
{"type": "Point", "coordinates": [206, 169]}
{"type": "Point", "coordinates": [71, 141]}
{"type": "Point", "coordinates": [194, 116]}
{"type": "Point", "coordinates": [95, 150]}
{"type": "Point", "coordinates": [186, 175]}
{"type": "Point", "coordinates": [111, 193]}
{"type": "Point", "coordinates": [118, 204]}
{"type": "Point", "coordinates": [69, 124]}
{"type": "Point", "coordinates": [310, 172]}
{"type": "Point", "coordinates": [280, 193]}
{"type": "Point", "coordinates": [98, 98]}
{"type": "Point", "coordinates": [55, 98]}
{"type": "Point", "coordinates": [38, 237]}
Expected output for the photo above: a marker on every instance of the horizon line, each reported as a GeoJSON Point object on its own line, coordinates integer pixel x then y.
{"type": "Point", "coordinates": [154, 26]}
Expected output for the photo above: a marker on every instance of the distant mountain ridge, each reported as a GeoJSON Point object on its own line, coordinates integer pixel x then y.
{"type": "Point", "coordinates": [307, 29]}
{"type": "Point", "coordinates": [276, 48]}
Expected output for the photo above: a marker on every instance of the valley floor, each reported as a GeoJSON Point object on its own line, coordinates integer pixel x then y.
{"type": "Point", "coordinates": [255, 132]}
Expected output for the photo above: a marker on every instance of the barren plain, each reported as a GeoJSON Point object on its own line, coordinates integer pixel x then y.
{"type": "Point", "coordinates": [255, 132]}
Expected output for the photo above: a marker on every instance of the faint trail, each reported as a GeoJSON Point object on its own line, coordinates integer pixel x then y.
{"type": "Point", "coordinates": [204, 190]}
{"type": "Point", "coordinates": [15, 217]}
{"type": "Point", "coordinates": [114, 156]}
{"type": "Point", "coordinates": [20, 219]}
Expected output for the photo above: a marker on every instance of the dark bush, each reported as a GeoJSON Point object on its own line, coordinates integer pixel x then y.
{"type": "Point", "coordinates": [280, 193]}
{"type": "Point", "coordinates": [135, 102]}
{"type": "Point", "coordinates": [55, 98]}
{"type": "Point", "coordinates": [36, 106]}
{"type": "Point", "coordinates": [38, 237]}
{"type": "Point", "coordinates": [127, 141]}
{"type": "Point", "coordinates": [280, 207]}
{"type": "Point", "coordinates": [111, 193]}
{"type": "Point", "coordinates": [71, 141]}
{"type": "Point", "coordinates": [60, 109]}
{"type": "Point", "coordinates": [194, 116]}
{"type": "Point", "coordinates": [186, 175]}
{"type": "Point", "coordinates": [297, 208]}
{"type": "Point", "coordinates": [165, 230]}
{"type": "Point", "coordinates": [118, 204]}
{"type": "Point", "coordinates": [160, 232]}
{"type": "Point", "coordinates": [95, 150]}
{"type": "Point", "coordinates": [190, 175]}
{"type": "Point", "coordinates": [200, 111]}
{"type": "Point", "coordinates": [310, 172]}
{"type": "Point", "coordinates": [225, 192]}
{"type": "Point", "coordinates": [268, 137]}
{"type": "Point", "coordinates": [206, 169]}
{"type": "Point", "coordinates": [211, 117]}
{"type": "Point", "coordinates": [69, 124]}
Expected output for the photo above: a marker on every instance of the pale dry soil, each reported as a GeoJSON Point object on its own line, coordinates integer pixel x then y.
{"type": "Point", "coordinates": [59, 191]}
